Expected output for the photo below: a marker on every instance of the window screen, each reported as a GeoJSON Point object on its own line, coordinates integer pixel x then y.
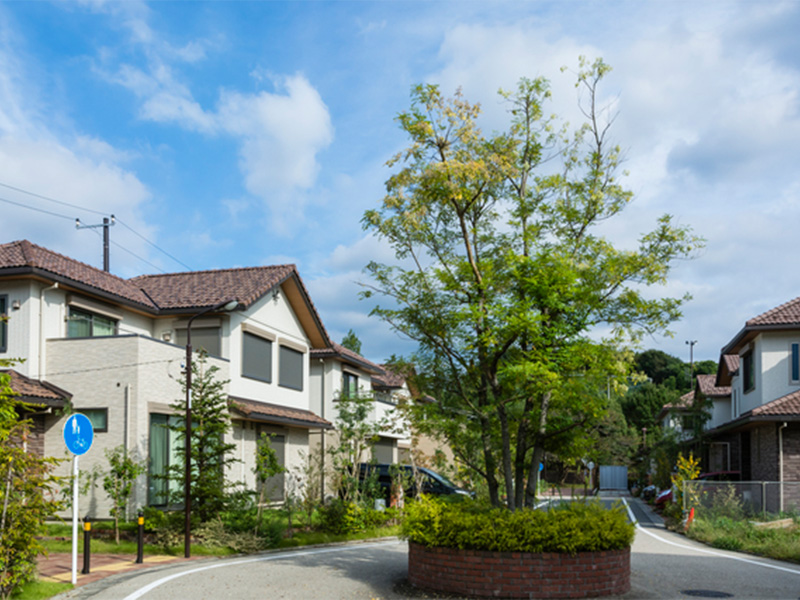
{"type": "Point", "coordinates": [256, 357]}
{"type": "Point", "coordinates": [207, 338]}
{"type": "Point", "coordinates": [290, 368]}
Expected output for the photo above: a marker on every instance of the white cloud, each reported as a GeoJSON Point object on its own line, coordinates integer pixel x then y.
{"type": "Point", "coordinates": [280, 134]}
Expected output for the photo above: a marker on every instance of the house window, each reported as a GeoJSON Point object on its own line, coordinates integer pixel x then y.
{"type": "Point", "coordinates": [748, 372]}
{"type": "Point", "coordinates": [794, 369]}
{"type": "Point", "coordinates": [98, 417]}
{"type": "Point", "coordinates": [3, 323]}
{"type": "Point", "coordinates": [256, 357]}
{"type": "Point", "coordinates": [349, 385]}
{"type": "Point", "coordinates": [290, 368]}
{"type": "Point", "coordinates": [205, 338]}
{"type": "Point", "coordinates": [165, 456]}
{"type": "Point", "coordinates": [82, 324]}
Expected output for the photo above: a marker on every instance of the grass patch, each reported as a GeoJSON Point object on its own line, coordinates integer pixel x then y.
{"type": "Point", "coordinates": [39, 590]}
{"type": "Point", "coordinates": [729, 534]}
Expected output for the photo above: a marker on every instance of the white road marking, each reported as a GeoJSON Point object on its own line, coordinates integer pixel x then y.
{"type": "Point", "coordinates": [279, 555]}
{"type": "Point", "coordinates": [704, 551]}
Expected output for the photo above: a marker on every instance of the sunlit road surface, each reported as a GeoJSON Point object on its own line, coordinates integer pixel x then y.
{"type": "Point", "coordinates": [663, 565]}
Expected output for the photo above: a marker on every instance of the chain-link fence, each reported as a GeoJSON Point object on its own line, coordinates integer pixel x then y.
{"type": "Point", "coordinates": [741, 499]}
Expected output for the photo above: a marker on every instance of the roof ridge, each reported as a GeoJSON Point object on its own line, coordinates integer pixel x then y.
{"type": "Point", "coordinates": [772, 311]}
{"type": "Point", "coordinates": [206, 271]}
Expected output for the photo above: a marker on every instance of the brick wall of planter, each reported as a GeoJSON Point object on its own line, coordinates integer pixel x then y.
{"type": "Point", "coordinates": [477, 573]}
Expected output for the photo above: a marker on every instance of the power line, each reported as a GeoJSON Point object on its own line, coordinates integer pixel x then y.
{"type": "Point", "coordinates": [61, 202]}
{"type": "Point", "coordinates": [41, 210]}
{"type": "Point", "coordinates": [154, 245]}
{"type": "Point", "coordinates": [35, 195]}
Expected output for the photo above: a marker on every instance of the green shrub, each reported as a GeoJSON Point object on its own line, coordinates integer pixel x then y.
{"type": "Point", "coordinates": [571, 528]}
{"type": "Point", "coordinates": [340, 517]}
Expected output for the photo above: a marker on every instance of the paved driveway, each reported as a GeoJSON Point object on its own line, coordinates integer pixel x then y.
{"type": "Point", "coordinates": [663, 564]}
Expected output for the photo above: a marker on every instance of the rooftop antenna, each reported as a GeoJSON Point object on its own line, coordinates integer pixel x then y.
{"type": "Point", "coordinates": [105, 225]}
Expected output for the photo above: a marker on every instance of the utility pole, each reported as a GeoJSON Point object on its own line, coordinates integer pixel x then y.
{"type": "Point", "coordinates": [105, 225]}
{"type": "Point", "coordinates": [691, 344]}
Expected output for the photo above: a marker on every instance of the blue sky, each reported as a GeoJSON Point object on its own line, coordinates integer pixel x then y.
{"type": "Point", "coordinates": [251, 133]}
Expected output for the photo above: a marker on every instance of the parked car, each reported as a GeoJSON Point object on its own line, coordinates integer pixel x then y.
{"type": "Point", "coordinates": [432, 482]}
{"type": "Point", "coordinates": [666, 496]}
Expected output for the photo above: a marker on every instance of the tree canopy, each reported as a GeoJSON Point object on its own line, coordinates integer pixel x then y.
{"type": "Point", "coordinates": [504, 279]}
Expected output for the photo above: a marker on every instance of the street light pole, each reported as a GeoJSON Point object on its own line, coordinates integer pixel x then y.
{"type": "Point", "coordinates": [227, 306]}
{"type": "Point", "coordinates": [691, 344]}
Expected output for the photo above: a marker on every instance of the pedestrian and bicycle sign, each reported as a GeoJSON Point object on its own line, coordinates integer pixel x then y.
{"type": "Point", "coordinates": [78, 434]}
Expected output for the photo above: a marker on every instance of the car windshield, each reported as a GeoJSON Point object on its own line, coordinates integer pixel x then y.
{"type": "Point", "coordinates": [441, 479]}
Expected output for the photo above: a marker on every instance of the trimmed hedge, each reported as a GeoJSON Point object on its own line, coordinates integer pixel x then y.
{"type": "Point", "coordinates": [570, 528]}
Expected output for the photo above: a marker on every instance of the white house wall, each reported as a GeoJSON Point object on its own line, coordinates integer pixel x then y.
{"type": "Point", "coordinates": [276, 319]}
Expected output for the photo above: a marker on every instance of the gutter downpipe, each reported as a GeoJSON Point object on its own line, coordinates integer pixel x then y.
{"type": "Point", "coordinates": [780, 458]}
{"type": "Point", "coordinates": [322, 438]}
{"type": "Point", "coordinates": [41, 326]}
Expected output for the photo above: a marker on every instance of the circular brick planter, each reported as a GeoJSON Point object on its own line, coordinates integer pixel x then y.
{"type": "Point", "coordinates": [482, 574]}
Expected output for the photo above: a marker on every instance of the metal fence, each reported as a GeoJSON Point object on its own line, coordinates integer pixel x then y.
{"type": "Point", "coordinates": [740, 499]}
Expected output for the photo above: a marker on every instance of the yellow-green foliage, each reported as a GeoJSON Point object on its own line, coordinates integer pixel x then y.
{"type": "Point", "coordinates": [688, 469]}
{"type": "Point", "coordinates": [570, 528]}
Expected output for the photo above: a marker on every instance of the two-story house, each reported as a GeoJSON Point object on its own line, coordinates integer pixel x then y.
{"type": "Point", "coordinates": [113, 348]}
{"type": "Point", "coordinates": [753, 422]}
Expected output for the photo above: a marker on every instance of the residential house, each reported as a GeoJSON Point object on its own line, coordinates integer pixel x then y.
{"type": "Point", "coordinates": [114, 349]}
{"type": "Point", "coordinates": [754, 425]}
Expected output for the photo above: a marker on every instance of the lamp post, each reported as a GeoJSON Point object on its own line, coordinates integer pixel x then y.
{"type": "Point", "coordinates": [227, 306]}
{"type": "Point", "coordinates": [691, 344]}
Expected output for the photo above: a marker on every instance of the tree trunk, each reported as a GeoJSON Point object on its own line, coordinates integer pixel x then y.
{"type": "Point", "coordinates": [538, 452]}
{"type": "Point", "coordinates": [508, 475]}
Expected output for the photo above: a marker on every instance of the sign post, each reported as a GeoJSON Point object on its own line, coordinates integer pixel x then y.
{"type": "Point", "coordinates": [78, 436]}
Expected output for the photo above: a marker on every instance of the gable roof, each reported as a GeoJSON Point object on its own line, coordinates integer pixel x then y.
{"type": "Point", "coordinates": [24, 258]}
{"type": "Point", "coordinates": [170, 293]}
{"type": "Point", "coordinates": [785, 316]}
{"type": "Point", "coordinates": [708, 387]}
{"type": "Point", "coordinates": [198, 289]}
{"type": "Point", "coordinates": [347, 356]}
{"type": "Point", "coordinates": [35, 392]}
{"type": "Point", "coordinates": [681, 404]}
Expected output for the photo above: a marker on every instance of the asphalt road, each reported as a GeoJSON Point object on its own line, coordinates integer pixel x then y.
{"type": "Point", "coordinates": [663, 565]}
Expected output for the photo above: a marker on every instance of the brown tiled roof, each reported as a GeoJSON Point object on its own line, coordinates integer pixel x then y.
{"type": "Point", "coordinates": [282, 415]}
{"type": "Point", "coordinates": [23, 256]}
{"type": "Point", "coordinates": [785, 406]}
{"type": "Point", "coordinates": [682, 403]}
{"type": "Point", "coordinates": [707, 385]}
{"type": "Point", "coordinates": [389, 379]}
{"type": "Point", "coordinates": [346, 355]}
{"type": "Point", "coordinates": [36, 392]}
{"type": "Point", "coordinates": [785, 314]}
{"type": "Point", "coordinates": [732, 363]}
{"type": "Point", "coordinates": [197, 289]}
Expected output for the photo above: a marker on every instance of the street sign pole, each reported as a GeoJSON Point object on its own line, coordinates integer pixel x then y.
{"type": "Point", "coordinates": [74, 519]}
{"type": "Point", "coordinates": [78, 436]}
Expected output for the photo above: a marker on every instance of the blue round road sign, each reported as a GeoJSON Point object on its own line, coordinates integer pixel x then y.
{"type": "Point", "coordinates": [78, 433]}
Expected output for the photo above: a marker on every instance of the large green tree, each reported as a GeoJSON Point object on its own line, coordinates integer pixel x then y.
{"type": "Point", "coordinates": [504, 278]}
